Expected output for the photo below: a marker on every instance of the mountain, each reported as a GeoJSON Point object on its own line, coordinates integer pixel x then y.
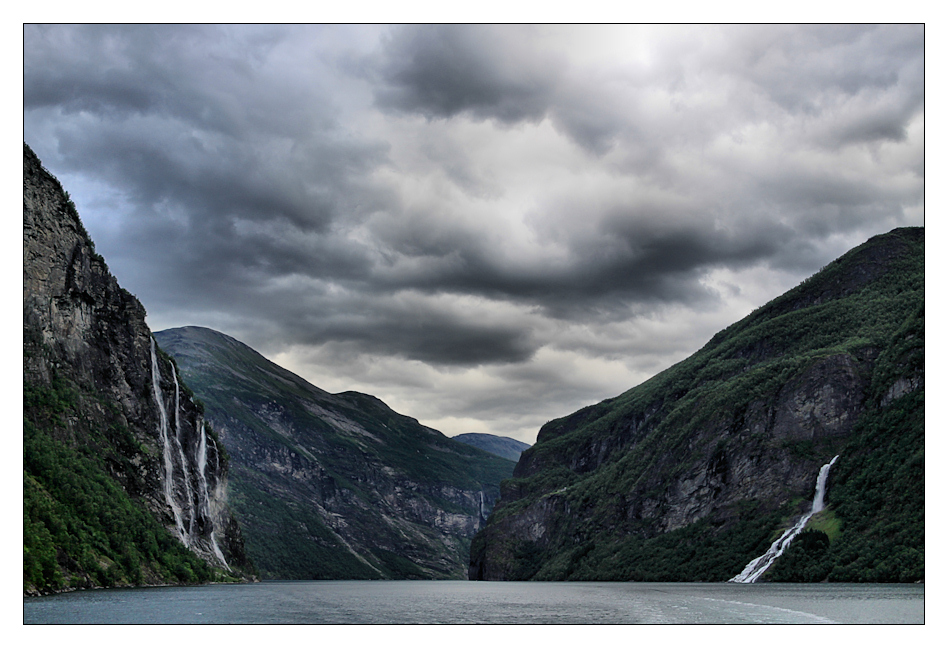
{"type": "Point", "coordinates": [695, 472]}
{"type": "Point", "coordinates": [498, 445]}
{"type": "Point", "coordinates": [123, 480]}
{"type": "Point", "coordinates": [335, 486]}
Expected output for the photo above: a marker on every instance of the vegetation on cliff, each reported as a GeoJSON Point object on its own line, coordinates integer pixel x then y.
{"type": "Point", "coordinates": [96, 496]}
{"type": "Point", "coordinates": [691, 474]}
{"type": "Point", "coordinates": [81, 528]}
{"type": "Point", "coordinates": [335, 486]}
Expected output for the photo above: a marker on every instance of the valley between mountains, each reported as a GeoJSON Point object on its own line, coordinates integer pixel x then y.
{"type": "Point", "coordinates": [184, 456]}
{"type": "Point", "coordinates": [335, 485]}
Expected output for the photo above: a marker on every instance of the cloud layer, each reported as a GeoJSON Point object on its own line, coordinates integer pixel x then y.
{"type": "Point", "coordinates": [487, 226]}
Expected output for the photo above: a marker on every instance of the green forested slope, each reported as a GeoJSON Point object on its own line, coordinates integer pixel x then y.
{"type": "Point", "coordinates": [691, 474]}
{"type": "Point", "coordinates": [81, 528]}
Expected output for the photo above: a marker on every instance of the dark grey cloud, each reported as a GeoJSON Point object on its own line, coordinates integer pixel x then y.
{"type": "Point", "coordinates": [478, 211]}
{"type": "Point", "coordinates": [491, 73]}
{"type": "Point", "coordinates": [485, 71]}
{"type": "Point", "coordinates": [210, 77]}
{"type": "Point", "coordinates": [623, 260]}
{"type": "Point", "coordinates": [429, 335]}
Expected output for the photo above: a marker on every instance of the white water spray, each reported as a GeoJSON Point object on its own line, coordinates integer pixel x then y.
{"type": "Point", "coordinates": [166, 448]}
{"type": "Point", "coordinates": [759, 565]}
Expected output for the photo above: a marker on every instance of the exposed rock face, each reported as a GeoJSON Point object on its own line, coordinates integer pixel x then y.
{"type": "Point", "coordinates": [335, 485]}
{"type": "Point", "coordinates": [743, 425]}
{"type": "Point", "coordinates": [80, 326]}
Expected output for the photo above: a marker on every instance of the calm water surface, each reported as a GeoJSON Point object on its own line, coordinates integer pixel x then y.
{"type": "Point", "coordinates": [464, 602]}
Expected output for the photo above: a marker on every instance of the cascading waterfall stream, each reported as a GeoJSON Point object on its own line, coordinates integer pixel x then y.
{"type": "Point", "coordinates": [202, 464]}
{"type": "Point", "coordinates": [166, 448]}
{"type": "Point", "coordinates": [759, 565]}
{"type": "Point", "coordinates": [197, 503]}
{"type": "Point", "coordinates": [184, 462]}
{"type": "Point", "coordinates": [205, 499]}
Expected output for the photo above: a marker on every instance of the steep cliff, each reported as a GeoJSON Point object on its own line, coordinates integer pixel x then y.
{"type": "Point", "coordinates": [124, 482]}
{"type": "Point", "coordinates": [335, 485]}
{"type": "Point", "coordinates": [693, 473]}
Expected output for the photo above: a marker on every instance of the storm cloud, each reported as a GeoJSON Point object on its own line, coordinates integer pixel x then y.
{"type": "Point", "coordinates": [485, 226]}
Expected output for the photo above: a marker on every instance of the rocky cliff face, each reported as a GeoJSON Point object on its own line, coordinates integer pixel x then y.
{"type": "Point", "coordinates": [730, 440]}
{"type": "Point", "coordinates": [335, 485]}
{"type": "Point", "coordinates": [85, 337]}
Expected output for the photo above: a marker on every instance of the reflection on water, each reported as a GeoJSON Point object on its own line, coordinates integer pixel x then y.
{"type": "Point", "coordinates": [463, 602]}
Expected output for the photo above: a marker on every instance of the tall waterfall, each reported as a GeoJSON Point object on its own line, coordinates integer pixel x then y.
{"type": "Point", "coordinates": [759, 565]}
{"type": "Point", "coordinates": [166, 448]}
{"type": "Point", "coordinates": [192, 516]}
{"type": "Point", "coordinates": [184, 461]}
{"type": "Point", "coordinates": [205, 498]}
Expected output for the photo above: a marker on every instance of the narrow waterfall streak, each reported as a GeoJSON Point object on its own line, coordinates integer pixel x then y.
{"type": "Point", "coordinates": [205, 497]}
{"type": "Point", "coordinates": [759, 565]}
{"type": "Point", "coordinates": [217, 459]}
{"type": "Point", "coordinates": [166, 448]}
{"type": "Point", "coordinates": [202, 458]}
{"type": "Point", "coordinates": [184, 462]}
{"type": "Point", "coordinates": [218, 552]}
{"type": "Point", "coordinates": [821, 486]}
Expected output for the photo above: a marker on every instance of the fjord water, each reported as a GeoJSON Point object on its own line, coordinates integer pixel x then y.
{"type": "Point", "coordinates": [472, 602]}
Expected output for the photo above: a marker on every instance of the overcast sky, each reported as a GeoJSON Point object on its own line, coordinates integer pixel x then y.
{"type": "Point", "coordinates": [485, 227]}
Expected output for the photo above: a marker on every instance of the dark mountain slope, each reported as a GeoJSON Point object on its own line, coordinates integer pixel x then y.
{"type": "Point", "coordinates": [499, 445]}
{"type": "Point", "coordinates": [335, 485]}
{"type": "Point", "coordinates": [122, 480]}
{"type": "Point", "coordinates": [694, 472]}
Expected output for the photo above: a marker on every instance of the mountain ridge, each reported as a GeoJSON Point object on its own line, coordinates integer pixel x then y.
{"type": "Point", "coordinates": [502, 446]}
{"type": "Point", "coordinates": [701, 457]}
{"type": "Point", "coordinates": [335, 485]}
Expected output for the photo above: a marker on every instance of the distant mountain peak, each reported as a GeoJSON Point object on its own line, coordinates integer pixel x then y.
{"type": "Point", "coordinates": [499, 445]}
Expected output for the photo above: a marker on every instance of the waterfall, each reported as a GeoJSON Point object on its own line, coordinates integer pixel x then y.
{"type": "Point", "coordinates": [205, 497]}
{"type": "Point", "coordinates": [197, 503]}
{"type": "Point", "coordinates": [184, 463]}
{"type": "Point", "coordinates": [202, 458]}
{"type": "Point", "coordinates": [166, 447]}
{"type": "Point", "coordinates": [759, 565]}
{"type": "Point", "coordinates": [217, 459]}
